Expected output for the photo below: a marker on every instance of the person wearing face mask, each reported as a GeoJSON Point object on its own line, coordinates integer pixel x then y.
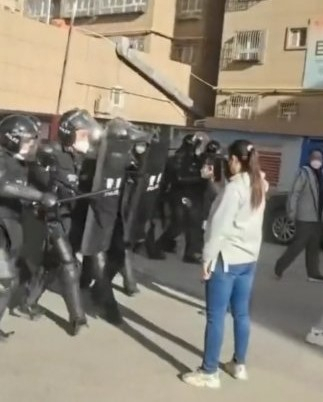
{"type": "Point", "coordinates": [57, 169]}
{"type": "Point", "coordinates": [211, 171]}
{"type": "Point", "coordinates": [305, 206]}
{"type": "Point", "coordinates": [232, 242]}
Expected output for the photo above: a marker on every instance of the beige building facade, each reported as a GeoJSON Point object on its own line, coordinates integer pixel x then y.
{"type": "Point", "coordinates": [31, 66]}
{"type": "Point", "coordinates": [264, 60]}
{"type": "Point", "coordinates": [187, 31]}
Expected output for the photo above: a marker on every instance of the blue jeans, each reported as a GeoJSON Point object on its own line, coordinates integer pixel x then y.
{"type": "Point", "coordinates": [224, 290]}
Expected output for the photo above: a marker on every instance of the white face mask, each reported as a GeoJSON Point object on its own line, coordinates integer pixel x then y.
{"type": "Point", "coordinates": [140, 149]}
{"type": "Point", "coordinates": [82, 146]}
{"type": "Point", "coordinates": [316, 164]}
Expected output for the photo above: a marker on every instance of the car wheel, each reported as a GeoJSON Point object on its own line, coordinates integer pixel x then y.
{"type": "Point", "coordinates": [283, 229]}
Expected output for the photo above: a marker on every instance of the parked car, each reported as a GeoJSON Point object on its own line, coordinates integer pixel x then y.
{"type": "Point", "coordinates": [278, 228]}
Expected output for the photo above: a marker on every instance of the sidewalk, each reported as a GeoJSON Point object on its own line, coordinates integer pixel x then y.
{"type": "Point", "coordinates": [162, 337]}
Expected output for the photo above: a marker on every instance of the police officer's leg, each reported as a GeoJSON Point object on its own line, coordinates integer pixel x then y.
{"type": "Point", "coordinates": [30, 291]}
{"type": "Point", "coordinates": [193, 234]}
{"type": "Point", "coordinates": [7, 278]}
{"type": "Point", "coordinates": [102, 291]}
{"type": "Point", "coordinates": [175, 227]}
{"type": "Point", "coordinates": [69, 277]}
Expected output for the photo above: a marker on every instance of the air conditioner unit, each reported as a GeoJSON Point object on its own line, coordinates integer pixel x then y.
{"type": "Point", "coordinates": [102, 105]}
{"type": "Point", "coordinates": [244, 112]}
{"type": "Point", "coordinates": [200, 123]}
{"type": "Point", "coordinates": [250, 55]}
{"type": "Point", "coordinates": [289, 116]}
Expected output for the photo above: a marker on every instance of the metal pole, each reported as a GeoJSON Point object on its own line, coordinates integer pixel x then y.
{"type": "Point", "coordinates": [68, 45]}
{"type": "Point", "coordinates": [49, 6]}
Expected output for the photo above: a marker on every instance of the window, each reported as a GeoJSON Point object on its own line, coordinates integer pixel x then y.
{"type": "Point", "coordinates": [185, 53]}
{"type": "Point", "coordinates": [83, 9]}
{"type": "Point", "coordinates": [240, 5]}
{"type": "Point", "coordinates": [287, 110]}
{"type": "Point", "coordinates": [117, 97]}
{"type": "Point", "coordinates": [190, 8]}
{"type": "Point", "coordinates": [319, 48]}
{"type": "Point", "coordinates": [136, 42]}
{"type": "Point", "coordinates": [238, 107]}
{"type": "Point", "coordinates": [249, 46]}
{"type": "Point", "coordinates": [296, 38]}
{"type": "Point", "coordinates": [102, 7]}
{"type": "Point", "coordinates": [37, 9]}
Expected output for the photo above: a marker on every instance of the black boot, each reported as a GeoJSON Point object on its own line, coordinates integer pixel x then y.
{"type": "Point", "coordinates": [33, 313]}
{"type": "Point", "coordinates": [72, 296]}
{"type": "Point", "coordinates": [112, 314]}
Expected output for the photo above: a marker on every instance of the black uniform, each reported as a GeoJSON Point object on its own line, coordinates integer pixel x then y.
{"type": "Point", "coordinates": [18, 135]}
{"type": "Point", "coordinates": [57, 171]}
{"type": "Point", "coordinates": [185, 189]}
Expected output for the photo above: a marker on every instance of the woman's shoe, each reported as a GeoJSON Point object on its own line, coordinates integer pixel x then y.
{"type": "Point", "coordinates": [201, 379]}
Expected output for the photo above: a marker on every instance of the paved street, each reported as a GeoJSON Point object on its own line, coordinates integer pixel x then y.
{"type": "Point", "coordinates": [162, 337]}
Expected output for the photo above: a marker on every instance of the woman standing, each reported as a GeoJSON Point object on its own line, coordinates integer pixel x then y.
{"type": "Point", "coordinates": [232, 244]}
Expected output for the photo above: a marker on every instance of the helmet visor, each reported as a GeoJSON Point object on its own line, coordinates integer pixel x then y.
{"type": "Point", "coordinates": [84, 122]}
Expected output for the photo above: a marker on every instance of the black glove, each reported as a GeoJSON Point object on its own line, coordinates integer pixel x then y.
{"type": "Point", "coordinates": [48, 200]}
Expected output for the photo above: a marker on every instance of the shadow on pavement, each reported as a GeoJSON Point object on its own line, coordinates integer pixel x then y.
{"type": "Point", "coordinates": [132, 316]}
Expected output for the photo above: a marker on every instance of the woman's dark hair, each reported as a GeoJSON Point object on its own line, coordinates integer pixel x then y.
{"type": "Point", "coordinates": [248, 157]}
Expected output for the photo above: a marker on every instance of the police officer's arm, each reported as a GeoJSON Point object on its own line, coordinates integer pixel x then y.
{"type": "Point", "coordinates": [23, 192]}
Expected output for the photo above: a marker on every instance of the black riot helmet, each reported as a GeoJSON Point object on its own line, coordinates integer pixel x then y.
{"type": "Point", "coordinates": [213, 147]}
{"type": "Point", "coordinates": [76, 120]}
{"type": "Point", "coordinates": [19, 135]}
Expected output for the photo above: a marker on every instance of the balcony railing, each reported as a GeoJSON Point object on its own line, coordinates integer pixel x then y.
{"type": "Point", "coordinates": [89, 8]}
{"type": "Point", "coordinates": [245, 47]}
{"type": "Point", "coordinates": [238, 107]}
{"type": "Point", "coordinates": [40, 10]}
{"type": "Point", "coordinates": [240, 5]}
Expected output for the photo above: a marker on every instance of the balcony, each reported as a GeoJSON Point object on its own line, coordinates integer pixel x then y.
{"type": "Point", "coordinates": [94, 8]}
{"type": "Point", "coordinates": [242, 107]}
{"type": "Point", "coordinates": [240, 5]}
{"type": "Point", "coordinates": [41, 10]}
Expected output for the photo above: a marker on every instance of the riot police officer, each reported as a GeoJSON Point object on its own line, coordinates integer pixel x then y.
{"type": "Point", "coordinates": [185, 189]}
{"type": "Point", "coordinates": [18, 141]}
{"type": "Point", "coordinates": [58, 170]}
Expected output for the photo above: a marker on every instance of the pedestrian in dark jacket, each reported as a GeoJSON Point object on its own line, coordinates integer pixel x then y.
{"type": "Point", "coordinates": [305, 206]}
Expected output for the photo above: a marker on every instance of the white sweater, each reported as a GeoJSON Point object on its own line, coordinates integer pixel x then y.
{"type": "Point", "coordinates": [234, 229]}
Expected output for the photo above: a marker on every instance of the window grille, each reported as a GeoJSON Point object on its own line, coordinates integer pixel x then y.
{"type": "Point", "coordinates": [189, 8]}
{"type": "Point", "coordinates": [87, 8]}
{"type": "Point", "coordinates": [240, 5]}
{"type": "Point", "coordinates": [184, 53]}
{"type": "Point", "coordinates": [38, 9]}
{"type": "Point", "coordinates": [249, 46]}
{"type": "Point", "coordinates": [288, 110]}
{"type": "Point", "coordinates": [242, 107]}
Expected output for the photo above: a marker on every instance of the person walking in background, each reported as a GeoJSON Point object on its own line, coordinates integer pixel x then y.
{"type": "Point", "coordinates": [305, 206]}
{"type": "Point", "coordinates": [231, 249]}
